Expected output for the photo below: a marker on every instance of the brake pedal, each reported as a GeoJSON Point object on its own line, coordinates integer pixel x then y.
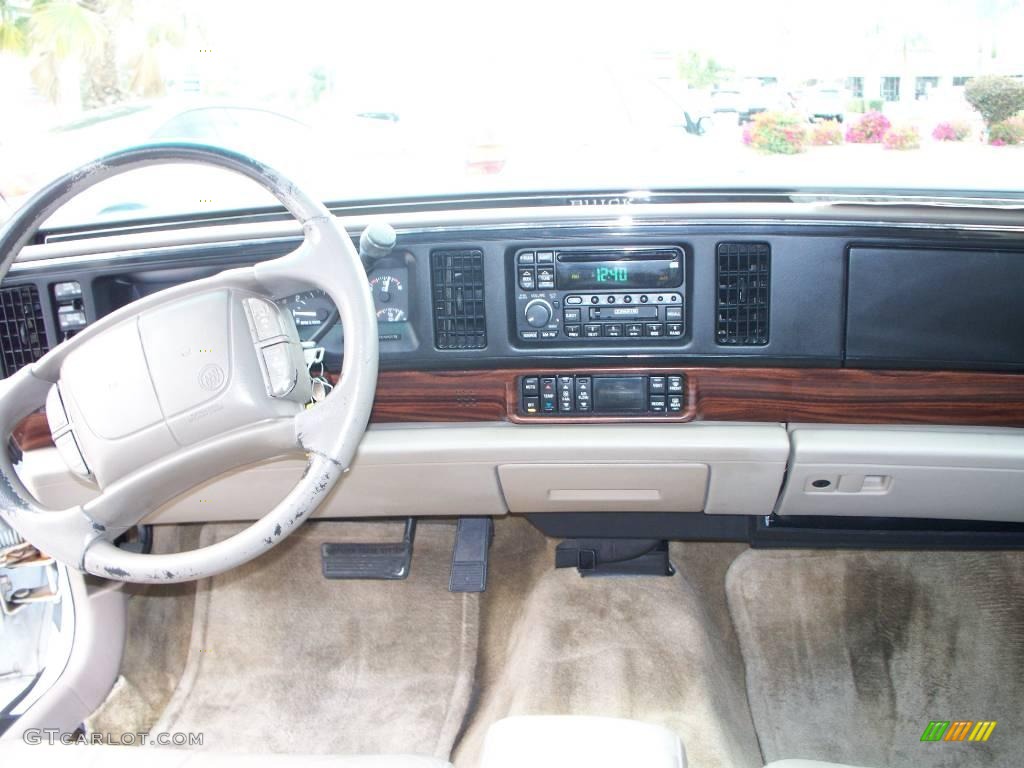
{"type": "Point", "coordinates": [469, 556]}
{"type": "Point", "coordinates": [386, 561]}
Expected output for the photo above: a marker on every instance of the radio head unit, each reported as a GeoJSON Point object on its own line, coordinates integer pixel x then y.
{"type": "Point", "coordinates": [613, 295]}
{"type": "Point", "coordinates": [618, 270]}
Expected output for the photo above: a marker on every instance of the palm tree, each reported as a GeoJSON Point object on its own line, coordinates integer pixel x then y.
{"type": "Point", "coordinates": [66, 34]}
{"type": "Point", "coordinates": [14, 21]}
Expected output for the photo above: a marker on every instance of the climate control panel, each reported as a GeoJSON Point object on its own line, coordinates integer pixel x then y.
{"type": "Point", "coordinates": [654, 395]}
{"type": "Point", "coordinates": [609, 295]}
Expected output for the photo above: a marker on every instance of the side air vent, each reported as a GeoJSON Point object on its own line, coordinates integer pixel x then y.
{"type": "Point", "coordinates": [741, 309]}
{"type": "Point", "coordinates": [22, 336]}
{"type": "Point", "coordinates": [457, 279]}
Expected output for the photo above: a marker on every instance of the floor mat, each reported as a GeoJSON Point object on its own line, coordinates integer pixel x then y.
{"type": "Point", "coordinates": [655, 649]}
{"type": "Point", "coordinates": [849, 655]}
{"type": "Point", "coordinates": [282, 660]}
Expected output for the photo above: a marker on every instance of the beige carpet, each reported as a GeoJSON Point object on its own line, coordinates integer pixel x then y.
{"type": "Point", "coordinates": [156, 645]}
{"type": "Point", "coordinates": [849, 655]}
{"type": "Point", "coordinates": [283, 660]}
{"type": "Point", "coordinates": [659, 650]}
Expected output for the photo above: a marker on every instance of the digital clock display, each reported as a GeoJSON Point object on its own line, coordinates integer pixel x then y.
{"type": "Point", "coordinates": [612, 274]}
{"type": "Point", "coordinates": [575, 271]}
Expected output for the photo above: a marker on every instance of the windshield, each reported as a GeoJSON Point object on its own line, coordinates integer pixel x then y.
{"type": "Point", "coordinates": [387, 100]}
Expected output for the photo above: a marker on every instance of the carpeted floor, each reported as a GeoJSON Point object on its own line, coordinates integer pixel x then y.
{"type": "Point", "coordinates": [283, 660]}
{"type": "Point", "coordinates": [659, 650]}
{"type": "Point", "coordinates": [849, 655]}
{"type": "Point", "coordinates": [156, 646]}
{"type": "Point", "coordinates": [846, 656]}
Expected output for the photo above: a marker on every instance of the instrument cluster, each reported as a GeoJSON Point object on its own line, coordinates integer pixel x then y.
{"type": "Point", "coordinates": [319, 324]}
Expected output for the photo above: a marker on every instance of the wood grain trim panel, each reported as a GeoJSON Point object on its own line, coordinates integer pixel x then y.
{"type": "Point", "coordinates": [813, 395]}
{"type": "Point", "coordinates": [849, 396]}
{"type": "Point", "coordinates": [33, 432]}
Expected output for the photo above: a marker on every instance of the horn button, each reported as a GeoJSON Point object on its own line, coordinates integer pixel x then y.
{"type": "Point", "coordinates": [166, 379]}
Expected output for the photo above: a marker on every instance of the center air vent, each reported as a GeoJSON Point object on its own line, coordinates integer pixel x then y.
{"type": "Point", "coordinates": [741, 308]}
{"type": "Point", "coordinates": [22, 336]}
{"type": "Point", "coordinates": [457, 280]}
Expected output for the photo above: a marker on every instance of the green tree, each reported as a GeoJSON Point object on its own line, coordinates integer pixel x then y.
{"type": "Point", "coordinates": [700, 72]}
{"type": "Point", "coordinates": [74, 45]}
{"type": "Point", "coordinates": [13, 28]}
{"type": "Point", "coordinates": [996, 98]}
{"type": "Point", "coordinates": [66, 35]}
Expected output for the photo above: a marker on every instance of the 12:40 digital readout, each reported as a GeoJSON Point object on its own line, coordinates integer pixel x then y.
{"type": "Point", "coordinates": [612, 274]}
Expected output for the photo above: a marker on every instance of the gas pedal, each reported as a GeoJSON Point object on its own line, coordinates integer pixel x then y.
{"type": "Point", "coordinates": [469, 556]}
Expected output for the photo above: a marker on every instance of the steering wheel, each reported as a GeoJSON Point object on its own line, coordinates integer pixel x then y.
{"type": "Point", "coordinates": [188, 383]}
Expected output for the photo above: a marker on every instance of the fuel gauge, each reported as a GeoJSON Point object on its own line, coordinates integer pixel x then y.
{"type": "Point", "coordinates": [389, 296]}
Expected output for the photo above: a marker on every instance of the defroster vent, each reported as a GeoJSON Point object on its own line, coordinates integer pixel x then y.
{"type": "Point", "coordinates": [457, 280]}
{"type": "Point", "coordinates": [741, 309]}
{"type": "Point", "coordinates": [22, 336]}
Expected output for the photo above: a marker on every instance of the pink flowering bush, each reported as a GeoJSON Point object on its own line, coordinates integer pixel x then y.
{"type": "Point", "coordinates": [869, 129]}
{"type": "Point", "coordinates": [1009, 131]}
{"type": "Point", "coordinates": [777, 133]}
{"type": "Point", "coordinates": [951, 131]}
{"type": "Point", "coordinates": [902, 137]}
{"type": "Point", "coordinates": [827, 133]}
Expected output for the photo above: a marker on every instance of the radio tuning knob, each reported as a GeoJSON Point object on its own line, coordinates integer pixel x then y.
{"type": "Point", "coordinates": [538, 313]}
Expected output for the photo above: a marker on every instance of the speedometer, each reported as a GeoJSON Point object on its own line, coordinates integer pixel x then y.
{"type": "Point", "coordinates": [310, 310]}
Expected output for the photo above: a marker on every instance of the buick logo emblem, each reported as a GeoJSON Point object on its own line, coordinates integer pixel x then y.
{"type": "Point", "coordinates": [211, 377]}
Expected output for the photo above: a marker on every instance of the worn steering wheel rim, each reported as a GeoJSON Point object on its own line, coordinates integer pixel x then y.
{"type": "Point", "coordinates": [329, 433]}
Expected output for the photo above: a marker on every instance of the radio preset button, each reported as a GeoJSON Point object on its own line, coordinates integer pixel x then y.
{"type": "Point", "coordinates": [592, 330]}
{"type": "Point", "coordinates": [675, 329]}
{"type": "Point", "coordinates": [634, 330]}
{"type": "Point", "coordinates": [573, 331]}
{"type": "Point", "coordinates": [655, 329]}
{"type": "Point", "coordinates": [613, 330]}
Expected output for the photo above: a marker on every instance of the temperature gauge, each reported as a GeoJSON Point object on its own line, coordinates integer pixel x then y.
{"type": "Point", "coordinates": [389, 296]}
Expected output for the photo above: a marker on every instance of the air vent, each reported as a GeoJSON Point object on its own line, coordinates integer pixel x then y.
{"type": "Point", "coordinates": [457, 278]}
{"type": "Point", "coordinates": [22, 336]}
{"type": "Point", "coordinates": [743, 289]}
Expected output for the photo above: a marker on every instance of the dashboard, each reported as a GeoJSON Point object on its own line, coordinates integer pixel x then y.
{"type": "Point", "coordinates": [871, 355]}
